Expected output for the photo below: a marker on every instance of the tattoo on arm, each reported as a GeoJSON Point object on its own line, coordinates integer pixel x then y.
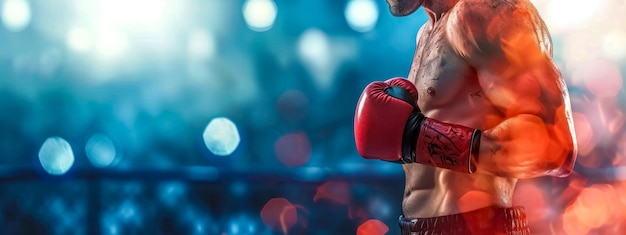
{"type": "Point", "coordinates": [494, 150]}
{"type": "Point", "coordinates": [477, 93]}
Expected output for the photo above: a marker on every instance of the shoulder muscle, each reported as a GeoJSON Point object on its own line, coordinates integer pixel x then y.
{"type": "Point", "coordinates": [496, 28]}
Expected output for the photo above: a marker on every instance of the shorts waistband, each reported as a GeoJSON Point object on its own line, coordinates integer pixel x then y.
{"type": "Point", "coordinates": [488, 220]}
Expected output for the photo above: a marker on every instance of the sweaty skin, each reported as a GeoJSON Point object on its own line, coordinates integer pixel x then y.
{"type": "Point", "coordinates": [487, 64]}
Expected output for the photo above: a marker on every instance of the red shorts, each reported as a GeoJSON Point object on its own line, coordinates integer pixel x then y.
{"type": "Point", "coordinates": [488, 220]}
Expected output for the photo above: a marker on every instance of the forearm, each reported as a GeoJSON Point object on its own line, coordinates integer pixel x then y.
{"type": "Point", "coordinates": [523, 147]}
{"type": "Point", "coordinates": [389, 126]}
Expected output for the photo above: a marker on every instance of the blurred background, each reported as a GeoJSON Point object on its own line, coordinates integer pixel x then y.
{"type": "Point", "coordinates": [235, 117]}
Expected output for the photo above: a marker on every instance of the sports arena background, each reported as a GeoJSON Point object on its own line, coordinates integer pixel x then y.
{"type": "Point", "coordinates": [235, 117]}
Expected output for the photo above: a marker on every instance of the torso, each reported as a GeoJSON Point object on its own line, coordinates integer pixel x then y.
{"type": "Point", "coordinates": [449, 92]}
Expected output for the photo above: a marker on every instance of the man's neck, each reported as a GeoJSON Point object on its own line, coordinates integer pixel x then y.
{"type": "Point", "coordinates": [436, 8]}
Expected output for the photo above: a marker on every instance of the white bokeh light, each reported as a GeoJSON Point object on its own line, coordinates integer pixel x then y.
{"type": "Point", "coordinates": [100, 150]}
{"type": "Point", "coordinates": [566, 14]}
{"type": "Point", "coordinates": [314, 50]}
{"type": "Point", "coordinates": [221, 136]}
{"type": "Point", "coordinates": [313, 46]}
{"type": "Point", "coordinates": [106, 31]}
{"type": "Point", "coordinates": [259, 14]}
{"type": "Point", "coordinates": [614, 45]}
{"type": "Point", "coordinates": [201, 44]}
{"type": "Point", "coordinates": [15, 14]}
{"type": "Point", "coordinates": [111, 44]}
{"type": "Point", "coordinates": [56, 156]}
{"type": "Point", "coordinates": [78, 40]}
{"type": "Point", "coordinates": [142, 13]}
{"type": "Point", "coordinates": [361, 15]}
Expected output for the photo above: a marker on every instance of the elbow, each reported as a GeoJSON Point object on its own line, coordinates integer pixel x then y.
{"type": "Point", "coordinates": [564, 146]}
{"type": "Point", "coordinates": [562, 164]}
{"type": "Point", "coordinates": [568, 159]}
{"type": "Point", "coordinates": [559, 162]}
{"type": "Point", "coordinates": [534, 169]}
{"type": "Point", "coordinates": [555, 156]}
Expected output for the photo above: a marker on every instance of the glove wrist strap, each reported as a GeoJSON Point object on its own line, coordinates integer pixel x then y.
{"type": "Point", "coordinates": [446, 145]}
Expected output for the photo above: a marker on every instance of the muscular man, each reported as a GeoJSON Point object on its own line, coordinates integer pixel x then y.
{"type": "Point", "coordinates": [483, 106]}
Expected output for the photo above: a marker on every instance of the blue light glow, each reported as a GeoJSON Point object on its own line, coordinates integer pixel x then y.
{"type": "Point", "coordinates": [56, 156]}
{"type": "Point", "coordinates": [100, 150]}
{"type": "Point", "coordinates": [221, 136]}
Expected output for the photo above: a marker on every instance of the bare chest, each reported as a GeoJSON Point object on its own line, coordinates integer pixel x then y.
{"type": "Point", "coordinates": [439, 73]}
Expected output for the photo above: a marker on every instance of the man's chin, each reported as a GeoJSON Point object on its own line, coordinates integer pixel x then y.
{"type": "Point", "coordinates": [404, 9]}
{"type": "Point", "coordinates": [395, 11]}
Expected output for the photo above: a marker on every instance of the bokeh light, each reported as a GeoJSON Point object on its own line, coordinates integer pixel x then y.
{"type": "Point", "coordinates": [372, 227]}
{"type": "Point", "coordinates": [201, 44]}
{"type": "Point", "coordinates": [584, 133]}
{"type": "Point", "coordinates": [260, 14]}
{"type": "Point", "coordinates": [279, 214]}
{"type": "Point", "coordinates": [100, 150]}
{"type": "Point", "coordinates": [293, 149]}
{"type": "Point", "coordinates": [132, 13]}
{"type": "Point", "coordinates": [314, 50]}
{"type": "Point", "coordinates": [603, 78]}
{"type": "Point", "coordinates": [614, 44]}
{"type": "Point", "coordinates": [239, 188]}
{"type": "Point", "coordinates": [56, 156]}
{"type": "Point", "coordinates": [293, 105]}
{"type": "Point", "coordinates": [172, 193]}
{"type": "Point", "coordinates": [242, 225]}
{"type": "Point", "coordinates": [16, 14]}
{"type": "Point", "coordinates": [593, 208]}
{"type": "Point", "coordinates": [313, 46]}
{"type": "Point", "coordinates": [110, 44]}
{"type": "Point", "coordinates": [336, 191]}
{"type": "Point", "coordinates": [566, 14]}
{"type": "Point", "coordinates": [381, 207]}
{"type": "Point", "coordinates": [129, 213]}
{"type": "Point", "coordinates": [221, 136]}
{"type": "Point", "coordinates": [361, 15]}
{"type": "Point", "coordinates": [79, 39]}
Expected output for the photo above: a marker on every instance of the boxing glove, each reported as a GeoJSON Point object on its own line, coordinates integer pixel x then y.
{"type": "Point", "coordinates": [389, 126]}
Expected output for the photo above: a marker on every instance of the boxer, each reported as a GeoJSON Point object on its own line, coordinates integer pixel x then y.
{"type": "Point", "coordinates": [483, 106]}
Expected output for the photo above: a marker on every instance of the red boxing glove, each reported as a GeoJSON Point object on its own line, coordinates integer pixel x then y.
{"type": "Point", "coordinates": [389, 126]}
{"type": "Point", "coordinates": [380, 119]}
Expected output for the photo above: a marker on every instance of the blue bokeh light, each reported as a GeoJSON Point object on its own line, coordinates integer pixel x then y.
{"type": "Point", "coordinates": [56, 156]}
{"type": "Point", "coordinates": [221, 136]}
{"type": "Point", "coordinates": [100, 150]}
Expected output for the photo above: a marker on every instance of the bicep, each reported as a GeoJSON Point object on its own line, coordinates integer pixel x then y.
{"type": "Point", "coordinates": [510, 50]}
{"type": "Point", "coordinates": [518, 75]}
{"type": "Point", "coordinates": [530, 89]}
{"type": "Point", "coordinates": [513, 61]}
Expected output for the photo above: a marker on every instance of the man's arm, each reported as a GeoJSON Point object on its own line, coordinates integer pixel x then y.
{"type": "Point", "coordinates": [509, 46]}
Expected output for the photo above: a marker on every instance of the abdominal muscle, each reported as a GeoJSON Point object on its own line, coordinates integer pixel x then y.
{"type": "Point", "coordinates": [431, 192]}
